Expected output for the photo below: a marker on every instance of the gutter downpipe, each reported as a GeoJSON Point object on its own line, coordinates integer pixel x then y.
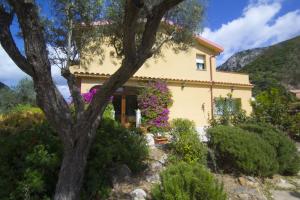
{"type": "Point", "coordinates": [211, 88]}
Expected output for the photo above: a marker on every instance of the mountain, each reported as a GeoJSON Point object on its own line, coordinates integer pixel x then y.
{"type": "Point", "coordinates": [240, 59]}
{"type": "Point", "coordinates": [2, 85]}
{"type": "Point", "coordinates": [277, 65]}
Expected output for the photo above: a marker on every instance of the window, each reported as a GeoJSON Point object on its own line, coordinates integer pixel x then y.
{"type": "Point", "coordinates": [200, 62]}
{"type": "Point", "coordinates": [226, 105]}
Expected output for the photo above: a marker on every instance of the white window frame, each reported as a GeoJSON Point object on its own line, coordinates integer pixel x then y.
{"type": "Point", "coordinates": [200, 61]}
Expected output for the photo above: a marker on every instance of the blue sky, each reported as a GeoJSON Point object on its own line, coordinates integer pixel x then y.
{"type": "Point", "coordinates": [234, 24]}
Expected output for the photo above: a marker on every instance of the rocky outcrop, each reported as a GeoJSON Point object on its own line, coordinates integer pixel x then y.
{"type": "Point", "coordinates": [241, 59]}
{"type": "Point", "coordinates": [127, 186]}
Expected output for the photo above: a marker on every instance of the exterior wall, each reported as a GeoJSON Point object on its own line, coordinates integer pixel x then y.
{"type": "Point", "coordinates": [193, 101]}
{"type": "Point", "coordinates": [169, 65]}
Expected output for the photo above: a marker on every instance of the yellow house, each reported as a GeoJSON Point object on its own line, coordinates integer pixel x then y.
{"type": "Point", "coordinates": [191, 76]}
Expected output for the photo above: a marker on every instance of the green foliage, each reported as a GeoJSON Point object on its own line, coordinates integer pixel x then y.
{"type": "Point", "coordinates": [109, 112]}
{"type": "Point", "coordinates": [181, 125]}
{"type": "Point", "coordinates": [273, 106]}
{"type": "Point", "coordinates": [240, 151]}
{"type": "Point", "coordinates": [277, 66]}
{"type": "Point", "coordinates": [31, 152]}
{"type": "Point", "coordinates": [228, 111]}
{"type": "Point", "coordinates": [184, 181]}
{"type": "Point", "coordinates": [30, 159]}
{"type": "Point", "coordinates": [154, 100]}
{"type": "Point", "coordinates": [186, 145]}
{"type": "Point", "coordinates": [286, 150]}
{"type": "Point", "coordinates": [23, 93]}
{"type": "Point", "coordinates": [113, 145]}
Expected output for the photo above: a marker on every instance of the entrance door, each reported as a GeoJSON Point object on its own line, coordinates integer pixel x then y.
{"type": "Point", "coordinates": [125, 106]}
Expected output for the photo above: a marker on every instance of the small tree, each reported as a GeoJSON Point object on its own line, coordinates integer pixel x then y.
{"type": "Point", "coordinates": [22, 93]}
{"type": "Point", "coordinates": [228, 111]}
{"type": "Point", "coordinates": [132, 28]}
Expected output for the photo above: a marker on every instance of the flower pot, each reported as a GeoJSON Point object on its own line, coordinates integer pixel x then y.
{"type": "Point", "coordinates": [161, 140]}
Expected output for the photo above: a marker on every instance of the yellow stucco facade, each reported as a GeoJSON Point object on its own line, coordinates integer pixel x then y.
{"type": "Point", "coordinates": [193, 90]}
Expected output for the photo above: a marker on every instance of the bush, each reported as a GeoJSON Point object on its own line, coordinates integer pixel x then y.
{"type": "Point", "coordinates": [31, 153]}
{"type": "Point", "coordinates": [187, 182]}
{"type": "Point", "coordinates": [240, 151]}
{"type": "Point", "coordinates": [286, 150]}
{"type": "Point", "coordinates": [181, 125]}
{"type": "Point", "coordinates": [30, 160]}
{"type": "Point", "coordinates": [113, 145]}
{"type": "Point", "coordinates": [186, 145]}
{"type": "Point", "coordinates": [154, 101]}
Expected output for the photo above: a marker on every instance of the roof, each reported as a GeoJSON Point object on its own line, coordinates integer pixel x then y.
{"type": "Point", "coordinates": [201, 40]}
{"type": "Point", "coordinates": [146, 78]}
{"type": "Point", "coordinates": [205, 42]}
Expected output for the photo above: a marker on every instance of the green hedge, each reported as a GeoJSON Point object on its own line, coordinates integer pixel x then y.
{"type": "Point", "coordinates": [240, 151]}
{"type": "Point", "coordinates": [31, 152]}
{"type": "Point", "coordinates": [286, 150]}
{"type": "Point", "coordinates": [184, 181]}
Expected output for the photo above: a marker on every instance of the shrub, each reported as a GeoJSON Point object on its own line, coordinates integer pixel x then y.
{"type": "Point", "coordinates": [240, 151]}
{"type": "Point", "coordinates": [187, 182]}
{"type": "Point", "coordinates": [154, 101]}
{"type": "Point", "coordinates": [21, 118]}
{"type": "Point", "coordinates": [186, 145]}
{"type": "Point", "coordinates": [181, 125]}
{"type": "Point", "coordinates": [286, 150]}
{"type": "Point", "coordinates": [31, 152]}
{"type": "Point", "coordinates": [30, 159]}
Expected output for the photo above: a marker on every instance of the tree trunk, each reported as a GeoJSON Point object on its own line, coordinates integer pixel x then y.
{"type": "Point", "coordinates": [72, 170]}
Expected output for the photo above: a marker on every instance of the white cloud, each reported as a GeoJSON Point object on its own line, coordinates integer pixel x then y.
{"type": "Point", "coordinates": [258, 26]}
{"type": "Point", "coordinates": [10, 74]}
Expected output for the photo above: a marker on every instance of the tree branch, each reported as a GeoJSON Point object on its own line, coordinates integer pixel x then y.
{"type": "Point", "coordinates": [74, 90]}
{"type": "Point", "coordinates": [129, 28]}
{"type": "Point", "coordinates": [152, 25]}
{"type": "Point", "coordinates": [9, 44]}
{"type": "Point", "coordinates": [49, 98]}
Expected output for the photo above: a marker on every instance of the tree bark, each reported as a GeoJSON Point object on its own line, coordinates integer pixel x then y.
{"type": "Point", "coordinates": [76, 135]}
{"type": "Point", "coordinates": [72, 170]}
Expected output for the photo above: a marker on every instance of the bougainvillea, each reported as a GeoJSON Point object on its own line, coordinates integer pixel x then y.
{"type": "Point", "coordinates": [154, 101]}
{"type": "Point", "coordinates": [109, 110]}
{"type": "Point", "coordinates": [89, 96]}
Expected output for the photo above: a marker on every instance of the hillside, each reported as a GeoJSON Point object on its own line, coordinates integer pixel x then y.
{"type": "Point", "coordinates": [240, 59]}
{"type": "Point", "coordinates": [2, 85]}
{"type": "Point", "coordinates": [273, 66]}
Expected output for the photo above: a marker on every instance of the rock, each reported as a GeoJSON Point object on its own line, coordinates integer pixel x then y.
{"type": "Point", "coordinates": [243, 196]}
{"type": "Point", "coordinates": [153, 178]}
{"type": "Point", "coordinates": [120, 173]}
{"type": "Point", "coordinates": [250, 178]}
{"type": "Point", "coordinates": [138, 194]}
{"type": "Point", "coordinates": [163, 159]}
{"type": "Point", "coordinates": [242, 181]}
{"type": "Point", "coordinates": [285, 195]}
{"type": "Point", "coordinates": [155, 166]}
{"type": "Point", "coordinates": [284, 184]}
{"type": "Point", "coordinates": [150, 140]}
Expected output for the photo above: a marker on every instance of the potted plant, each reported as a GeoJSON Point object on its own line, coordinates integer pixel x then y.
{"type": "Point", "coordinates": [160, 139]}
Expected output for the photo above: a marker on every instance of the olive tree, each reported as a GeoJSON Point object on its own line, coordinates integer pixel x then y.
{"type": "Point", "coordinates": [136, 28]}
